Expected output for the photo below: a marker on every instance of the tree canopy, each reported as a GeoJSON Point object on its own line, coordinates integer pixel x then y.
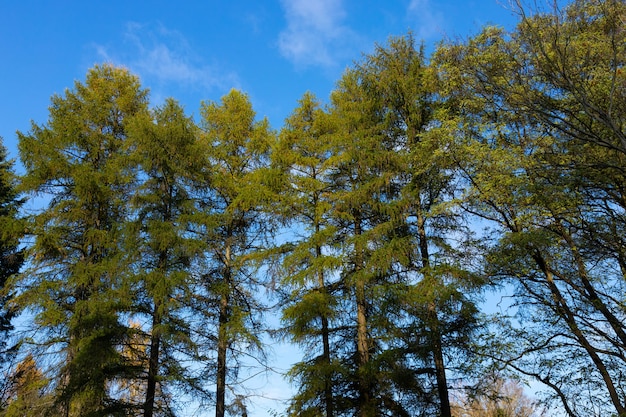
{"type": "Point", "coordinates": [375, 226]}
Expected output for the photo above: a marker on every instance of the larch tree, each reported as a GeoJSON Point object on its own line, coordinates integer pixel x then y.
{"type": "Point", "coordinates": [438, 288]}
{"type": "Point", "coordinates": [237, 227]}
{"type": "Point", "coordinates": [372, 245]}
{"type": "Point", "coordinates": [11, 257]}
{"type": "Point", "coordinates": [75, 283]}
{"type": "Point", "coordinates": [169, 163]}
{"type": "Point", "coordinates": [310, 265]}
{"type": "Point", "coordinates": [370, 181]}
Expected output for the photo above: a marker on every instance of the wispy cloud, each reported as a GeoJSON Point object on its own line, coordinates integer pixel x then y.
{"type": "Point", "coordinates": [164, 59]}
{"type": "Point", "coordinates": [315, 34]}
{"type": "Point", "coordinates": [429, 22]}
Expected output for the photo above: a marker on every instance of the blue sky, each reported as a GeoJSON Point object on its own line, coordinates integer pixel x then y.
{"type": "Point", "coordinates": [274, 50]}
{"type": "Point", "coordinates": [192, 50]}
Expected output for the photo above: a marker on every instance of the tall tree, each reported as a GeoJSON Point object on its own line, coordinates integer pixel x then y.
{"type": "Point", "coordinates": [237, 226]}
{"type": "Point", "coordinates": [543, 113]}
{"type": "Point", "coordinates": [437, 301]}
{"type": "Point", "coordinates": [169, 161]}
{"type": "Point", "coordinates": [373, 244]}
{"type": "Point", "coordinates": [376, 260]}
{"type": "Point", "coordinates": [11, 257]}
{"type": "Point", "coordinates": [75, 279]}
{"type": "Point", "coordinates": [310, 265]}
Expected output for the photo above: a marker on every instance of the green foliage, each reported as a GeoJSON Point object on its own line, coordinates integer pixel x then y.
{"type": "Point", "coordinates": [75, 282]}
{"type": "Point", "coordinates": [146, 216]}
{"type": "Point", "coordinates": [25, 394]}
{"type": "Point", "coordinates": [236, 228]}
{"type": "Point", "coordinates": [11, 258]}
{"type": "Point", "coordinates": [540, 118]}
{"type": "Point", "coordinates": [168, 160]}
{"type": "Point", "coordinates": [368, 184]}
{"type": "Point", "coordinates": [305, 154]}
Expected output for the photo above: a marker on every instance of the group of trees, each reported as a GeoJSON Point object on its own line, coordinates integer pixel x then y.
{"type": "Point", "coordinates": [375, 223]}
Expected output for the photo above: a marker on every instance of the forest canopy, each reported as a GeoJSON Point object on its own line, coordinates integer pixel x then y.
{"type": "Point", "coordinates": [375, 226]}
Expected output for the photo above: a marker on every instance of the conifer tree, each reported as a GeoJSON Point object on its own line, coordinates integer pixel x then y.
{"type": "Point", "coordinates": [310, 265]}
{"type": "Point", "coordinates": [169, 161]}
{"type": "Point", "coordinates": [11, 258]}
{"type": "Point", "coordinates": [236, 227]}
{"type": "Point", "coordinates": [405, 281]}
{"type": "Point", "coordinates": [437, 301]}
{"type": "Point", "coordinates": [373, 244]}
{"type": "Point", "coordinates": [76, 282]}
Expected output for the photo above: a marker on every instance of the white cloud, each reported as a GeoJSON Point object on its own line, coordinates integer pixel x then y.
{"type": "Point", "coordinates": [429, 22]}
{"type": "Point", "coordinates": [315, 32]}
{"type": "Point", "coordinates": [164, 59]}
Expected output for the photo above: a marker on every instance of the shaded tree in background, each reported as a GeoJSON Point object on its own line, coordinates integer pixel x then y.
{"type": "Point", "coordinates": [504, 398]}
{"type": "Point", "coordinates": [26, 395]}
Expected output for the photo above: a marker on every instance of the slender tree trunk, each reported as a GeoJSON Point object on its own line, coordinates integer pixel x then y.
{"type": "Point", "coordinates": [437, 348]}
{"type": "Point", "coordinates": [155, 346]}
{"type": "Point", "coordinates": [64, 404]}
{"type": "Point", "coordinates": [328, 388]}
{"type": "Point", "coordinates": [366, 408]}
{"type": "Point", "coordinates": [440, 368]}
{"type": "Point", "coordinates": [68, 403]}
{"type": "Point", "coordinates": [222, 338]}
{"type": "Point", "coordinates": [363, 351]}
{"type": "Point", "coordinates": [153, 364]}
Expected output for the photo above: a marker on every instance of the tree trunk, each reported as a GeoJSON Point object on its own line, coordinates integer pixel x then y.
{"type": "Point", "coordinates": [437, 348]}
{"type": "Point", "coordinates": [365, 407]}
{"type": "Point", "coordinates": [153, 364]}
{"type": "Point", "coordinates": [440, 368]}
{"type": "Point", "coordinates": [155, 347]}
{"type": "Point", "coordinates": [222, 338]}
{"type": "Point", "coordinates": [328, 389]}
